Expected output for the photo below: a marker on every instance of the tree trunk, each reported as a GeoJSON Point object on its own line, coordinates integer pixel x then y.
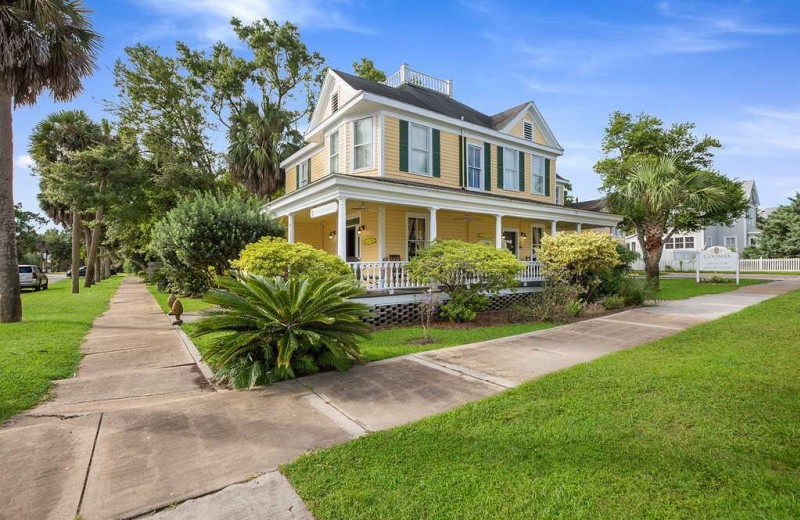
{"type": "Point", "coordinates": [10, 301]}
{"type": "Point", "coordinates": [91, 249]}
{"type": "Point", "coordinates": [77, 228]}
{"type": "Point", "coordinates": [652, 271]}
{"type": "Point", "coordinates": [652, 239]}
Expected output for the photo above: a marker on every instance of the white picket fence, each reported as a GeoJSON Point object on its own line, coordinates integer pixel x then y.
{"type": "Point", "coordinates": [761, 265]}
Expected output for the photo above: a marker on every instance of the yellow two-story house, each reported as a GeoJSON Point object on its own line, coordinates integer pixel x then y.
{"type": "Point", "coordinates": [389, 167]}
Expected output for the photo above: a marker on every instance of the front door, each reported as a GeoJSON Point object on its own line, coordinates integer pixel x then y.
{"type": "Point", "coordinates": [352, 243]}
{"type": "Point", "coordinates": [511, 241]}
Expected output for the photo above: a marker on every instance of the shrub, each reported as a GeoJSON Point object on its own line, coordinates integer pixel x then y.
{"type": "Point", "coordinates": [272, 256]}
{"type": "Point", "coordinates": [270, 329]}
{"type": "Point", "coordinates": [611, 278]}
{"type": "Point", "coordinates": [578, 258]}
{"type": "Point", "coordinates": [613, 302]}
{"type": "Point", "coordinates": [715, 278]}
{"type": "Point", "coordinates": [466, 272]}
{"type": "Point", "coordinates": [208, 231]}
{"type": "Point", "coordinates": [558, 302]}
{"type": "Point", "coordinates": [637, 291]}
{"type": "Point", "coordinates": [751, 252]}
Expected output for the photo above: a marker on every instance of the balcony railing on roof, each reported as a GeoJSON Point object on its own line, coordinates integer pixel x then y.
{"type": "Point", "coordinates": [391, 276]}
{"type": "Point", "coordinates": [407, 75]}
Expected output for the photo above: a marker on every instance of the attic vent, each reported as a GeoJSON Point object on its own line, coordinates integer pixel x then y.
{"type": "Point", "coordinates": [335, 102]}
{"type": "Point", "coordinates": [527, 130]}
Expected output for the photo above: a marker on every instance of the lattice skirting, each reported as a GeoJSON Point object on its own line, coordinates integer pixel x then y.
{"type": "Point", "coordinates": [405, 312]}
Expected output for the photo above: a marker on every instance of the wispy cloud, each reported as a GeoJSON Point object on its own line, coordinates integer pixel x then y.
{"type": "Point", "coordinates": [212, 16]}
{"type": "Point", "coordinates": [590, 45]}
{"type": "Point", "coordinates": [763, 132]}
{"type": "Point", "coordinates": [24, 162]}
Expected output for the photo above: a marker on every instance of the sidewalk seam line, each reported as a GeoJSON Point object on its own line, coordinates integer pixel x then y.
{"type": "Point", "coordinates": [89, 466]}
{"type": "Point", "coordinates": [460, 370]}
{"type": "Point", "coordinates": [336, 408]}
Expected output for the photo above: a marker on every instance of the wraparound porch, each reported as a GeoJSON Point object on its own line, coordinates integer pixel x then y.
{"type": "Point", "coordinates": [377, 225]}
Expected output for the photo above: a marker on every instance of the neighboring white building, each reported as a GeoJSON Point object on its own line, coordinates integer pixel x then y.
{"type": "Point", "coordinates": [742, 233]}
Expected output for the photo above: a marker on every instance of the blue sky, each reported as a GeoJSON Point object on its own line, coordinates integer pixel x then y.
{"type": "Point", "coordinates": [731, 67]}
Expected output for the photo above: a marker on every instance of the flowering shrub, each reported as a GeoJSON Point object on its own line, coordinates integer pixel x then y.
{"type": "Point", "coordinates": [273, 256]}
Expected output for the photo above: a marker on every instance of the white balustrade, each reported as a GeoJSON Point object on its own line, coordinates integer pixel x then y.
{"type": "Point", "coordinates": [390, 276]}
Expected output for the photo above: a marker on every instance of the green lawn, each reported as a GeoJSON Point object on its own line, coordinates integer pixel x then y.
{"type": "Point", "coordinates": [703, 424]}
{"type": "Point", "coordinates": [393, 342]}
{"type": "Point", "coordinates": [189, 304]}
{"type": "Point", "coordinates": [45, 345]}
{"type": "Point", "coordinates": [681, 288]}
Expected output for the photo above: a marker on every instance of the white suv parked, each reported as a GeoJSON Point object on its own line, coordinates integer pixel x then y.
{"type": "Point", "coordinates": [31, 277]}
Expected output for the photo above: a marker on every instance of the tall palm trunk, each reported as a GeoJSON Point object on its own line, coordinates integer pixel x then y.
{"type": "Point", "coordinates": [10, 301]}
{"type": "Point", "coordinates": [653, 246]}
{"type": "Point", "coordinates": [91, 249]}
{"type": "Point", "coordinates": [77, 228]}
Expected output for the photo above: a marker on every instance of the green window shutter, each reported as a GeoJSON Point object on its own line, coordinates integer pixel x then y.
{"type": "Point", "coordinates": [521, 171]}
{"type": "Point", "coordinates": [437, 153]}
{"type": "Point", "coordinates": [487, 166]}
{"type": "Point", "coordinates": [547, 177]}
{"type": "Point", "coordinates": [461, 160]}
{"type": "Point", "coordinates": [500, 167]}
{"type": "Point", "coordinates": [403, 146]}
{"type": "Point", "coordinates": [308, 169]}
{"type": "Point", "coordinates": [297, 177]}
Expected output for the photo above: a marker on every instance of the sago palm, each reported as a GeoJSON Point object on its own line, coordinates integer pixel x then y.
{"type": "Point", "coordinates": [654, 191]}
{"type": "Point", "coordinates": [270, 329]}
{"type": "Point", "coordinates": [44, 44]}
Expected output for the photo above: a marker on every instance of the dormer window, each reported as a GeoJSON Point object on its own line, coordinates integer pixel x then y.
{"type": "Point", "coordinates": [527, 130]}
{"type": "Point", "coordinates": [334, 102]}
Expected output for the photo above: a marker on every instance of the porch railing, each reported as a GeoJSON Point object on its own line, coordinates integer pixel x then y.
{"type": "Point", "coordinates": [391, 276]}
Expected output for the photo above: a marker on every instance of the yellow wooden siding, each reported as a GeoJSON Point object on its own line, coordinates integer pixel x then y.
{"type": "Point", "coordinates": [449, 164]}
{"type": "Point", "coordinates": [538, 136]}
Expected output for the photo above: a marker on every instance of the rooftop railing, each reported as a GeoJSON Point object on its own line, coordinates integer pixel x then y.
{"type": "Point", "coordinates": [413, 77]}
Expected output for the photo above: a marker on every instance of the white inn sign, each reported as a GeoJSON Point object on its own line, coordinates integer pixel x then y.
{"type": "Point", "coordinates": [717, 259]}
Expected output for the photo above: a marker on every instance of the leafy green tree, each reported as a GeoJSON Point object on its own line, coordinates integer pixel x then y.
{"type": "Point", "coordinates": [273, 329]}
{"type": "Point", "coordinates": [274, 256]}
{"type": "Point", "coordinates": [780, 232]}
{"type": "Point", "coordinates": [63, 194]}
{"type": "Point", "coordinates": [27, 237]}
{"type": "Point", "coordinates": [283, 73]}
{"type": "Point", "coordinates": [632, 142]}
{"type": "Point", "coordinates": [58, 247]}
{"type": "Point", "coordinates": [467, 272]}
{"type": "Point", "coordinates": [44, 45]}
{"type": "Point", "coordinates": [661, 201]}
{"type": "Point", "coordinates": [200, 236]}
{"type": "Point", "coordinates": [367, 70]}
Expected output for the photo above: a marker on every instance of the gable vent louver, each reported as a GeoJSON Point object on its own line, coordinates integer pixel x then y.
{"type": "Point", "coordinates": [527, 130]}
{"type": "Point", "coordinates": [335, 102]}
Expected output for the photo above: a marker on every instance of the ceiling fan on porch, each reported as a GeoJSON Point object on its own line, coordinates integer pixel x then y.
{"type": "Point", "coordinates": [363, 207]}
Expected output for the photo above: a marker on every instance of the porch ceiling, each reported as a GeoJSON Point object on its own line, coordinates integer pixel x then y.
{"type": "Point", "coordinates": [375, 190]}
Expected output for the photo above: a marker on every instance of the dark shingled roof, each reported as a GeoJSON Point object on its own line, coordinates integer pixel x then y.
{"type": "Point", "coordinates": [431, 100]}
{"type": "Point", "coordinates": [590, 205]}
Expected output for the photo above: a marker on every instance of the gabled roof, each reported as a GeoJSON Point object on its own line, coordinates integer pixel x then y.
{"type": "Point", "coordinates": [590, 205]}
{"type": "Point", "coordinates": [419, 97]}
{"type": "Point", "coordinates": [503, 118]}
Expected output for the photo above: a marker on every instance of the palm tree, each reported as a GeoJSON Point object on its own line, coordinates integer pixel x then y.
{"type": "Point", "coordinates": [654, 190]}
{"type": "Point", "coordinates": [257, 146]}
{"type": "Point", "coordinates": [271, 329]}
{"type": "Point", "coordinates": [52, 142]}
{"type": "Point", "coordinates": [44, 44]}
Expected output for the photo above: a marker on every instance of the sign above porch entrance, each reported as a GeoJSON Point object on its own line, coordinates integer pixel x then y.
{"type": "Point", "coordinates": [325, 209]}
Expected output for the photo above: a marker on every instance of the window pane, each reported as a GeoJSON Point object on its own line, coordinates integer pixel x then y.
{"type": "Point", "coordinates": [419, 161]}
{"type": "Point", "coordinates": [689, 243]}
{"type": "Point", "coordinates": [363, 131]}
{"type": "Point", "coordinates": [419, 137]}
{"type": "Point", "coordinates": [510, 159]}
{"type": "Point", "coordinates": [363, 157]}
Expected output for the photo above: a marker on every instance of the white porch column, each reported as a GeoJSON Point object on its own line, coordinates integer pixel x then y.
{"type": "Point", "coordinates": [341, 228]}
{"type": "Point", "coordinates": [381, 233]}
{"type": "Point", "coordinates": [498, 231]}
{"type": "Point", "coordinates": [290, 228]}
{"type": "Point", "coordinates": [553, 225]}
{"type": "Point", "coordinates": [432, 224]}
{"type": "Point", "coordinates": [579, 227]}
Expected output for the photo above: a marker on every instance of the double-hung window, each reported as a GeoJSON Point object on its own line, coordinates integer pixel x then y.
{"type": "Point", "coordinates": [537, 175]}
{"type": "Point", "coordinates": [362, 144]}
{"type": "Point", "coordinates": [688, 242]}
{"type": "Point", "coordinates": [474, 167]}
{"type": "Point", "coordinates": [333, 152]}
{"type": "Point", "coordinates": [510, 169]}
{"type": "Point", "coordinates": [303, 173]}
{"type": "Point", "coordinates": [730, 243]}
{"type": "Point", "coordinates": [420, 149]}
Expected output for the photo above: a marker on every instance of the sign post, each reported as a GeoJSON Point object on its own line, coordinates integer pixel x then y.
{"type": "Point", "coordinates": [717, 259]}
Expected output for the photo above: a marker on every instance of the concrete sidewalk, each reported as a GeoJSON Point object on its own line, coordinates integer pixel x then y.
{"type": "Point", "coordinates": [138, 432]}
